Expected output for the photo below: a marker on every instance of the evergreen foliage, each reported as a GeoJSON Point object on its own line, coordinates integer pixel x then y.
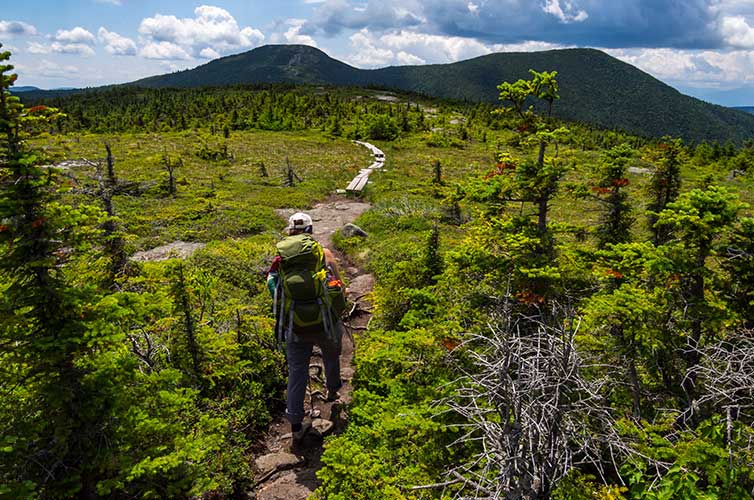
{"type": "Point", "coordinates": [662, 322]}
{"type": "Point", "coordinates": [116, 385]}
{"type": "Point", "coordinates": [596, 88]}
{"type": "Point", "coordinates": [510, 355]}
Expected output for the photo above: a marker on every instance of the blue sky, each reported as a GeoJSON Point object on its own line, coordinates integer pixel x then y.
{"type": "Point", "coordinates": [702, 47]}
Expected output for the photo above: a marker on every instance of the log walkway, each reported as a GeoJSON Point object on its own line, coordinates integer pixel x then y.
{"type": "Point", "coordinates": [359, 182]}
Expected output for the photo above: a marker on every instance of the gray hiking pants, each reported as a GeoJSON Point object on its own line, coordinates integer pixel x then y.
{"type": "Point", "coordinates": [298, 352]}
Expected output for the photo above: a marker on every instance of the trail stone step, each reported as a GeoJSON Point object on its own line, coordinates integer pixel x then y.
{"type": "Point", "coordinates": [288, 487]}
{"type": "Point", "coordinates": [322, 426]}
{"type": "Point", "coordinates": [278, 462]}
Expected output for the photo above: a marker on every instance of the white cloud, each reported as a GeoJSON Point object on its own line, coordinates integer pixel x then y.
{"type": "Point", "coordinates": [365, 51]}
{"type": "Point", "coordinates": [111, 2]}
{"type": "Point", "coordinates": [72, 48]}
{"type": "Point", "coordinates": [48, 69]}
{"type": "Point", "coordinates": [38, 48]}
{"type": "Point", "coordinates": [60, 48]}
{"type": "Point", "coordinates": [407, 59]}
{"type": "Point", "coordinates": [293, 34]}
{"type": "Point", "coordinates": [77, 35]}
{"type": "Point", "coordinates": [208, 53]}
{"type": "Point", "coordinates": [212, 27]}
{"type": "Point", "coordinates": [666, 64]}
{"type": "Point", "coordinates": [251, 37]}
{"type": "Point", "coordinates": [434, 48]}
{"type": "Point", "coordinates": [695, 68]}
{"type": "Point", "coordinates": [411, 47]}
{"type": "Point", "coordinates": [569, 15]}
{"type": "Point", "coordinates": [16, 28]}
{"type": "Point", "coordinates": [163, 50]}
{"type": "Point", "coordinates": [116, 44]}
{"type": "Point", "coordinates": [737, 32]}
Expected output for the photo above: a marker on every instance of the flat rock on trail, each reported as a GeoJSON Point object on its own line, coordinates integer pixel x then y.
{"type": "Point", "coordinates": [284, 473]}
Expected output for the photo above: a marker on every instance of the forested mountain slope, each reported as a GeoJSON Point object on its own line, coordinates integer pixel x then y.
{"type": "Point", "coordinates": [595, 87]}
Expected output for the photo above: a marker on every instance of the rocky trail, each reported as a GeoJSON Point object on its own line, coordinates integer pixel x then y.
{"type": "Point", "coordinates": [283, 474]}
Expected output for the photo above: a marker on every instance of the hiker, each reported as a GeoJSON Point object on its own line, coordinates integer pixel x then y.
{"type": "Point", "coordinates": [305, 321]}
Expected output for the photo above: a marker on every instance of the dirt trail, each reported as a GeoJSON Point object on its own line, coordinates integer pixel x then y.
{"type": "Point", "coordinates": [283, 474]}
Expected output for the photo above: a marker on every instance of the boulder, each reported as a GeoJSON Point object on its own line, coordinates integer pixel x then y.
{"type": "Point", "coordinates": [277, 462]}
{"type": "Point", "coordinates": [350, 230]}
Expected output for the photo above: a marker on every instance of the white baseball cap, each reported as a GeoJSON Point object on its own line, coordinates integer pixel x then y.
{"type": "Point", "coordinates": [299, 220]}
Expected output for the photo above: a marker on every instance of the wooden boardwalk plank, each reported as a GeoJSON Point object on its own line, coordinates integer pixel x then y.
{"type": "Point", "coordinates": [360, 181]}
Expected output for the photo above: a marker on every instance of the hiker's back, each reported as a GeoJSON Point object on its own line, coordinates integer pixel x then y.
{"type": "Point", "coordinates": [302, 301]}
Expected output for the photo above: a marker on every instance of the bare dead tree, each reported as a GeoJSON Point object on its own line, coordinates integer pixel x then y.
{"type": "Point", "coordinates": [531, 410]}
{"type": "Point", "coordinates": [170, 167]}
{"type": "Point", "coordinates": [107, 187]}
{"type": "Point", "coordinates": [146, 348]}
{"type": "Point", "coordinates": [726, 373]}
{"type": "Point", "coordinates": [725, 386]}
{"type": "Point", "coordinates": [290, 177]}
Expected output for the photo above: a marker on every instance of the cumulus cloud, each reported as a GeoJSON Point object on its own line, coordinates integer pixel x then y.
{"type": "Point", "coordinates": [406, 59]}
{"type": "Point", "coordinates": [16, 28]}
{"type": "Point", "coordinates": [737, 32]}
{"type": "Point", "coordinates": [76, 41]}
{"type": "Point", "coordinates": [163, 50]}
{"type": "Point", "coordinates": [694, 68]}
{"type": "Point", "coordinates": [409, 47]}
{"type": "Point", "coordinates": [434, 48]}
{"type": "Point", "coordinates": [370, 50]}
{"type": "Point", "coordinates": [77, 35]}
{"type": "Point", "coordinates": [366, 53]}
{"type": "Point", "coordinates": [208, 53]}
{"type": "Point", "coordinates": [80, 49]}
{"type": "Point", "coordinates": [211, 28]}
{"type": "Point", "coordinates": [292, 33]}
{"type": "Point", "coordinates": [116, 44]}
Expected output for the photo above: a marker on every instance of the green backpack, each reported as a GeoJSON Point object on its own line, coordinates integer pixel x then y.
{"type": "Point", "coordinates": [302, 302]}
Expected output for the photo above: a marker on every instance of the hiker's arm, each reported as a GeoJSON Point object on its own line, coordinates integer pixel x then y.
{"type": "Point", "coordinates": [272, 275]}
{"type": "Point", "coordinates": [331, 262]}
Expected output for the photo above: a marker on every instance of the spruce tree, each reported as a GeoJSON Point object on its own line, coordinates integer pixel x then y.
{"type": "Point", "coordinates": [615, 219]}
{"type": "Point", "coordinates": [665, 185]}
{"type": "Point", "coordinates": [51, 430]}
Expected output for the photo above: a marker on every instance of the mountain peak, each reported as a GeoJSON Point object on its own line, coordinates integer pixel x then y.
{"type": "Point", "coordinates": [595, 87]}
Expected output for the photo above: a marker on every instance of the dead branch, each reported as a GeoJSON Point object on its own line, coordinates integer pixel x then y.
{"type": "Point", "coordinates": [531, 411]}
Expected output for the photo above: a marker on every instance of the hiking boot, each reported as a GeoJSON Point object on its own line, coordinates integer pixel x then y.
{"type": "Point", "coordinates": [332, 395]}
{"type": "Point", "coordinates": [298, 435]}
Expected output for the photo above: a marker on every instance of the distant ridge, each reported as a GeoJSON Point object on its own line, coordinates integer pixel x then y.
{"type": "Point", "coordinates": [595, 88]}
{"type": "Point", "coordinates": [746, 109]}
{"type": "Point", "coordinates": [26, 88]}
